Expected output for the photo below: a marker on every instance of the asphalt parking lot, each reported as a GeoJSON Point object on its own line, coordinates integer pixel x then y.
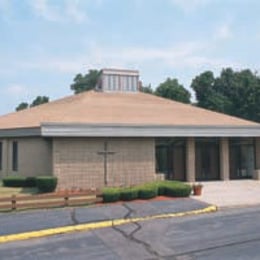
{"type": "Point", "coordinates": [230, 234]}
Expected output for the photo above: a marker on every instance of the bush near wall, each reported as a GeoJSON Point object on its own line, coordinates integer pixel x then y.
{"type": "Point", "coordinates": [111, 194]}
{"type": "Point", "coordinates": [46, 183]}
{"type": "Point", "coordinates": [174, 189]}
{"type": "Point", "coordinates": [129, 194]}
{"type": "Point", "coordinates": [43, 183]}
{"type": "Point", "coordinates": [147, 191]}
{"type": "Point", "coordinates": [19, 181]}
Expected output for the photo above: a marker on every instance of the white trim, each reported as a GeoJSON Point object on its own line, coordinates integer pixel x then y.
{"type": "Point", "coordinates": [120, 130]}
{"type": "Point", "coordinates": [120, 72]}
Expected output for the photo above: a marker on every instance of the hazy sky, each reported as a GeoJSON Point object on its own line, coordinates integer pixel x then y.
{"type": "Point", "coordinates": [44, 43]}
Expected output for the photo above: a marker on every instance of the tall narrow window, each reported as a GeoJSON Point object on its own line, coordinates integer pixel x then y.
{"type": "Point", "coordinates": [15, 156]}
{"type": "Point", "coordinates": [1, 156]}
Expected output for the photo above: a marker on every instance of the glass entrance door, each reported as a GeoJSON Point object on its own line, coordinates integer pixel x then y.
{"type": "Point", "coordinates": [170, 158]}
{"type": "Point", "coordinates": [242, 158]}
{"type": "Point", "coordinates": [207, 159]}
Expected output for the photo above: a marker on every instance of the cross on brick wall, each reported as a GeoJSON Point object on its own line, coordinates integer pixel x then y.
{"type": "Point", "coordinates": [105, 154]}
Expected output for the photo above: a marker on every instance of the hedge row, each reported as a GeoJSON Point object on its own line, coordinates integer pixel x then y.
{"type": "Point", "coordinates": [43, 183]}
{"type": "Point", "coordinates": [16, 181]}
{"type": "Point", "coordinates": [147, 191]}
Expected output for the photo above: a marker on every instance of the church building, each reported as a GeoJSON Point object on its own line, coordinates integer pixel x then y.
{"type": "Point", "coordinates": [116, 135]}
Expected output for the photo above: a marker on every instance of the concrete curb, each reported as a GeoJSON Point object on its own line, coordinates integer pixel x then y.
{"type": "Point", "coordinates": [98, 225]}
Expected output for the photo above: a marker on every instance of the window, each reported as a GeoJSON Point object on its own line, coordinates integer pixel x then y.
{"type": "Point", "coordinates": [161, 159]}
{"type": "Point", "coordinates": [170, 157]}
{"type": "Point", "coordinates": [15, 156]}
{"type": "Point", "coordinates": [1, 156]}
{"type": "Point", "coordinates": [242, 157]}
{"type": "Point", "coordinates": [207, 158]}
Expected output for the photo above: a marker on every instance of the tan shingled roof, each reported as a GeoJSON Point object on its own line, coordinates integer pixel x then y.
{"type": "Point", "coordinates": [118, 108]}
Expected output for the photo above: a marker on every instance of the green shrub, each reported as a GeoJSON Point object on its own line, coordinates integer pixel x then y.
{"type": "Point", "coordinates": [14, 181]}
{"type": "Point", "coordinates": [129, 194]}
{"type": "Point", "coordinates": [30, 182]}
{"type": "Point", "coordinates": [19, 181]}
{"type": "Point", "coordinates": [160, 187]}
{"type": "Point", "coordinates": [111, 194]}
{"type": "Point", "coordinates": [175, 189]}
{"type": "Point", "coordinates": [147, 192]}
{"type": "Point", "coordinates": [46, 183]}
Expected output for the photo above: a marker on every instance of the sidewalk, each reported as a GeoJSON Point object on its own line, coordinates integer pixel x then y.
{"type": "Point", "coordinates": [19, 222]}
{"type": "Point", "coordinates": [235, 193]}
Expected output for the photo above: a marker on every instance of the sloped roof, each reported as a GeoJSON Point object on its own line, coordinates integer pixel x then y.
{"type": "Point", "coordinates": [118, 108]}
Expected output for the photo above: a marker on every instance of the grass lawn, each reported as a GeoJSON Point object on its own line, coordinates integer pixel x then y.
{"type": "Point", "coordinates": [9, 191]}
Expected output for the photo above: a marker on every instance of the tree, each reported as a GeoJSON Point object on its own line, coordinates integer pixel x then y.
{"type": "Point", "coordinates": [171, 89]}
{"type": "Point", "coordinates": [146, 89]}
{"type": "Point", "coordinates": [39, 100]}
{"type": "Point", "coordinates": [235, 93]}
{"type": "Point", "coordinates": [36, 102]}
{"type": "Point", "coordinates": [87, 82]}
{"type": "Point", "coordinates": [22, 106]}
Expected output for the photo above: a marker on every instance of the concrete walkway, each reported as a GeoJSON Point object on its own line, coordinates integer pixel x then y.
{"type": "Point", "coordinates": [235, 193]}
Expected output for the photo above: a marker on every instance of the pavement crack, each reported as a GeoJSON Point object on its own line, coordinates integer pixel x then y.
{"type": "Point", "coordinates": [138, 227]}
{"type": "Point", "coordinates": [132, 238]}
{"type": "Point", "coordinates": [130, 211]}
{"type": "Point", "coordinates": [73, 217]}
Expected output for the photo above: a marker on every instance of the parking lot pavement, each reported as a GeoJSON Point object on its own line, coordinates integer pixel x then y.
{"type": "Point", "coordinates": [18, 222]}
{"type": "Point", "coordinates": [229, 234]}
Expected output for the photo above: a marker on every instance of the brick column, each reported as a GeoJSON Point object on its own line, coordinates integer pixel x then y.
{"type": "Point", "coordinates": [257, 159]}
{"type": "Point", "coordinates": [224, 159]}
{"type": "Point", "coordinates": [190, 159]}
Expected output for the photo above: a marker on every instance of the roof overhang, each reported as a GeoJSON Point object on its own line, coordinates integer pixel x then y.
{"type": "Point", "coordinates": [127, 130]}
{"type": "Point", "coordinates": [20, 132]}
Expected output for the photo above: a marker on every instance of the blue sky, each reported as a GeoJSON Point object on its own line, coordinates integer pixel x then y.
{"type": "Point", "coordinates": [45, 43]}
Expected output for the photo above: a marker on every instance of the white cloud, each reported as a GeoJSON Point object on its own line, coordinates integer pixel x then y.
{"type": "Point", "coordinates": [74, 12]}
{"type": "Point", "coordinates": [16, 90]}
{"type": "Point", "coordinates": [186, 55]}
{"type": "Point", "coordinates": [223, 32]}
{"type": "Point", "coordinates": [43, 9]}
{"type": "Point", "coordinates": [65, 11]}
{"type": "Point", "coordinates": [51, 64]}
{"type": "Point", "coordinates": [190, 5]}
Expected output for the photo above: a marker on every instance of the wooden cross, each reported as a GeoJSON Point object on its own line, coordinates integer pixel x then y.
{"type": "Point", "coordinates": [105, 153]}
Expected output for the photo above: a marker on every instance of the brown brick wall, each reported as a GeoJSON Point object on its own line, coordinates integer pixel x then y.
{"type": "Point", "coordinates": [77, 162]}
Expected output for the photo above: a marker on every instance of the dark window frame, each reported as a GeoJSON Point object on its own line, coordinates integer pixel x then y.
{"type": "Point", "coordinates": [202, 144]}
{"type": "Point", "coordinates": [1, 156]}
{"type": "Point", "coordinates": [237, 143]}
{"type": "Point", "coordinates": [165, 147]}
{"type": "Point", "coordinates": [15, 156]}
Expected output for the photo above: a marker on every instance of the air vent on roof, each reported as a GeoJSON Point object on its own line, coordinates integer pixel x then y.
{"type": "Point", "coordinates": [115, 80]}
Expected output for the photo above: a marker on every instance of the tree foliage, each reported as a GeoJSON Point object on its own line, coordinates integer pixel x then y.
{"type": "Point", "coordinates": [36, 102]}
{"type": "Point", "coordinates": [22, 106]}
{"type": "Point", "coordinates": [147, 89]}
{"type": "Point", "coordinates": [235, 93]}
{"type": "Point", "coordinates": [171, 89]}
{"type": "Point", "coordinates": [85, 82]}
{"type": "Point", "coordinates": [39, 100]}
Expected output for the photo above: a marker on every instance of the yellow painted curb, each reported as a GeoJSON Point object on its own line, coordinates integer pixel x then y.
{"type": "Point", "coordinates": [97, 225]}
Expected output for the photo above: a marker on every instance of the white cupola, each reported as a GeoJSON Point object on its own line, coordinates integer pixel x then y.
{"type": "Point", "coordinates": [118, 80]}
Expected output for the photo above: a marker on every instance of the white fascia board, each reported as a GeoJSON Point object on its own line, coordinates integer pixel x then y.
{"type": "Point", "coordinates": [117, 130]}
{"type": "Point", "coordinates": [120, 72]}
